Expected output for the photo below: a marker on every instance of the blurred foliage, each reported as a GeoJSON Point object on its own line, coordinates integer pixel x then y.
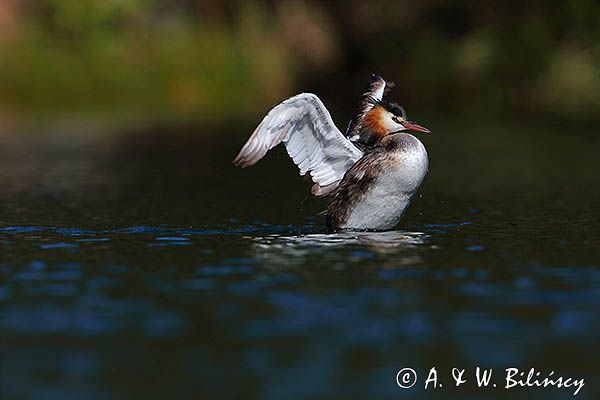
{"type": "Point", "coordinates": [210, 60]}
{"type": "Point", "coordinates": [125, 56]}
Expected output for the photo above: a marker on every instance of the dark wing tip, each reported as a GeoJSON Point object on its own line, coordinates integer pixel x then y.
{"type": "Point", "coordinates": [388, 87]}
{"type": "Point", "coordinates": [241, 160]}
{"type": "Point", "coordinates": [376, 78]}
{"type": "Point", "coordinates": [375, 82]}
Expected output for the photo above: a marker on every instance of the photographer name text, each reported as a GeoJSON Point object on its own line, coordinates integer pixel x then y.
{"type": "Point", "coordinates": [508, 378]}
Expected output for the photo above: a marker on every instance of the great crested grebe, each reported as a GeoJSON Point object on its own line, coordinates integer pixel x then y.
{"type": "Point", "coordinates": [370, 173]}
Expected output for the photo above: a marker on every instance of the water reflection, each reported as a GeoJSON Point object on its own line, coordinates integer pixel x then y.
{"type": "Point", "coordinates": [278, 250]}
{"type": "Point", "coordinates": [115, 288]}
{"type": "Point", "coordinates": [378, 241]}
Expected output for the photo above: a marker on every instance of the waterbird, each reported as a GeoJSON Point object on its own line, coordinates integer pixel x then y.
{"type": "Point", "coordinates": [370, 173]}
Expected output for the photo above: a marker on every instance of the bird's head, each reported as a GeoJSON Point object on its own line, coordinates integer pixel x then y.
{"type": "Point", "coordinates": [390, 117]}
{"type": "Point", "coordinates": [376, 117]}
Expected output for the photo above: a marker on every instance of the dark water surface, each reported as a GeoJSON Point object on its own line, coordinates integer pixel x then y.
{"type": "Point", "coordinates": [146, 266]}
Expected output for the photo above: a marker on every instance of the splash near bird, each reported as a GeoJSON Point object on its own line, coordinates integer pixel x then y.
{"type": "Point", "coordinates": [370, 173]}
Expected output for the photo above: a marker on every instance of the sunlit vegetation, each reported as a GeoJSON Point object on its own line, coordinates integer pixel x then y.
{"type": "Point", "coordinates": [117, 56]}
{"type": "Point", "coordinates": [208, 60]}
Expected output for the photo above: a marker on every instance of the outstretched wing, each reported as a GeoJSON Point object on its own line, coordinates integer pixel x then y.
{"type": "Point", "coordinates": [375, 91]}
{"type": "Point", "coordinates": [311, 138]}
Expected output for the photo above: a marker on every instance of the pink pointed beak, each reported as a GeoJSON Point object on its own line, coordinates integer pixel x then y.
{"type": "Point", "coordinates": [414, 127]}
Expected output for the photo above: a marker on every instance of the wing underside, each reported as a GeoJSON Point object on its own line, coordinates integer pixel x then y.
{"type": "Point", "coordinates": [304, 126]}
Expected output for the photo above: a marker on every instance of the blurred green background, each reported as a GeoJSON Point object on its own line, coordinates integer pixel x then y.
{"type": "Point", "coordinates": [221, 62]}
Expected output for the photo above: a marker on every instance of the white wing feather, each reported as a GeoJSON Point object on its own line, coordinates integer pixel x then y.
{"type": "Point", "coordinates": [311, 139]}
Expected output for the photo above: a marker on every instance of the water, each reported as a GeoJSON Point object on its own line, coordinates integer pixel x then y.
{"type": "Point", "coordinates": [146, 266]}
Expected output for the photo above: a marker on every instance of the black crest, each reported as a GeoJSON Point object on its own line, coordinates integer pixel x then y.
{"type": "Point", "coordinates": [390, 106]}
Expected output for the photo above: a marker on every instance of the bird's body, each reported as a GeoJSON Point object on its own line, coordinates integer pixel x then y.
{"type": "Point", "coordinates": [371, 173]}
{"type": "Point", "coordinates": [377, 189]}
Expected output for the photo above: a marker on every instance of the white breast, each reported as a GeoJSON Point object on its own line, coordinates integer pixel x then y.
{"type": "Point", "coordinates": [384, 202]}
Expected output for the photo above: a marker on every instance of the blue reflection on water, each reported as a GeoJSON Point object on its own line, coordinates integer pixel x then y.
{"type": "Point", "coordinates": [58, 246]}
{"type": "Point", "coordinates": [291, 299]}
